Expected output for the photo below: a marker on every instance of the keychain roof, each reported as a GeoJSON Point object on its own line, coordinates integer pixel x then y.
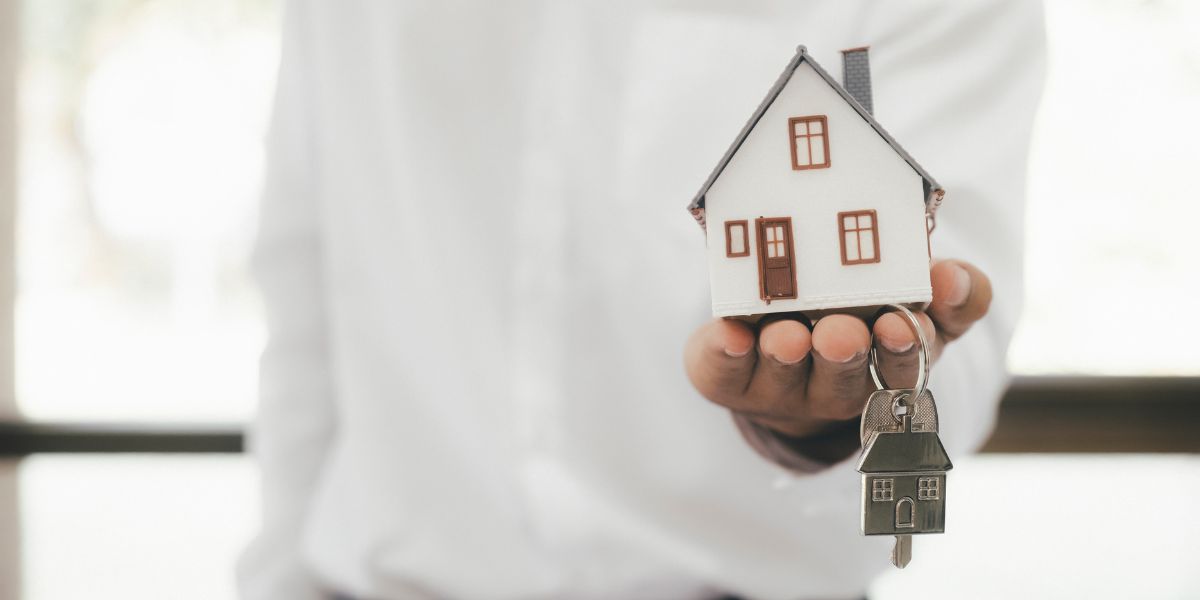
{"type": "Point", "coordinates": [904, 451]}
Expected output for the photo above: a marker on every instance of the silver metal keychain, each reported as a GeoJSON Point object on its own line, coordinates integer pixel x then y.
{"type": "Point", "coordinates": [903, 462]}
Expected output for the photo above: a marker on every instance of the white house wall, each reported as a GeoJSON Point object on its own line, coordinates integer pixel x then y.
{"type": "Point", "coordinates": [865, 173]}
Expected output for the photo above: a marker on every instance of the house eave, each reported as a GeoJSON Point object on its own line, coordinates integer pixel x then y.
{"type": "Point", "coordinates": [902, 473]}
{"type": "Point", "coordinates": [909, 472]}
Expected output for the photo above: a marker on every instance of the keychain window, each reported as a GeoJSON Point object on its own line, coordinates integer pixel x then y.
{"type": "Point", "coordinates": [882, 490]}
{"type": "Point", "coordinates": [928, 488]}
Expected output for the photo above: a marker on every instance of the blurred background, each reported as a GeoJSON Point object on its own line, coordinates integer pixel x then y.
{"type": "Point", "coordinates": [130, 153]}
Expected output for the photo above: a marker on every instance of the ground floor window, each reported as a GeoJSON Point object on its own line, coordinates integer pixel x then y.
{"type": "Point", "coordinates": [859, 237]}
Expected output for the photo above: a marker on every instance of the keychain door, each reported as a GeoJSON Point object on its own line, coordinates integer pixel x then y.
{"type": "Point", "coordinates": [776, 264]}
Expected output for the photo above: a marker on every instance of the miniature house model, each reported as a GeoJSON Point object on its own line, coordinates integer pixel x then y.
{"type": "Point", "coordinates": [904, 482]}
{"type": "Point", "coordinates": [815, 206]}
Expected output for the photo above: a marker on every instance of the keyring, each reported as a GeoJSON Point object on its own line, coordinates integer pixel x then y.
{"type": "Point", "coordinates": [922, 355]}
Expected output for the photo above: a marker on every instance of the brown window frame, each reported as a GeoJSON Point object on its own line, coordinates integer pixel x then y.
{"type": "Point", "coordinates": [794, 139]}
{"type": "Point", "coordinates": [874, 229]}
{"type": "Point", "coordinates": [745, 225]}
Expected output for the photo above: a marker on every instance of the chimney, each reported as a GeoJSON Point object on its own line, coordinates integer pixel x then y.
{"type": "Point", "coordinates": [856, 76]}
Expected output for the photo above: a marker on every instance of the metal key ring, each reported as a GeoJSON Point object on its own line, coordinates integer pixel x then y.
{"type": "Point", "coordinates": [922, 355]}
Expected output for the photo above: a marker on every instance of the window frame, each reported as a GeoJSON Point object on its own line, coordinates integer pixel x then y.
{"type": "Point", "coordinates": [883, 489]}
{"type": "Point", "coordinates": [793, 141]}
{"type": "Point", "coordinates": [874, 229]}
{"type": "Point", "coordinates": [929, 488]}
{"type": "Point", "coordinates": [745, 225]}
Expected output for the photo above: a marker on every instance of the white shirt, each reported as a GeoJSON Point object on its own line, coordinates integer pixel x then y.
{"type": "Point", "coordinates": [480, 275]}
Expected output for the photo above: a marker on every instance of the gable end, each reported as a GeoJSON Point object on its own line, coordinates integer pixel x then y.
{"type": "Point", "coordinates": [933, 191]}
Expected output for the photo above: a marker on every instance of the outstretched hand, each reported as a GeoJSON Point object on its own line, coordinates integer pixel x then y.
{"type": "Point", "coordinates": [802, 383]}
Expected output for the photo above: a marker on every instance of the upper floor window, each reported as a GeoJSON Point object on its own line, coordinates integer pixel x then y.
{"type": "Point", "coordinates": [810, 142]}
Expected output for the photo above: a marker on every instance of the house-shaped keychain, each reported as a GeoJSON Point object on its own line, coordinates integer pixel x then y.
{"type": "Point", "coordinates": [815, 206]}
{"type": "Point", "coordinates": [904, 485]}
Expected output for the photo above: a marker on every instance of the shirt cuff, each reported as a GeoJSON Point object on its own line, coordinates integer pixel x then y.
{"type": "Point", "coordinates": [788, 453]}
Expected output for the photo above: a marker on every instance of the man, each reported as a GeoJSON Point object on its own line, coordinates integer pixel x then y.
{"type": "Point", "coordinates": [479, 277]}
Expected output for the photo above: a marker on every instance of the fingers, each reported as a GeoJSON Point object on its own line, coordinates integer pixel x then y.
{"type": "Point", "coordinates": [776, 390]}
{"type": "Point", "coordinates": [719, 358]}
{"type": "Point", "coordinates": [896, 348]}
{"type": "Point", "coordinates": [783, 350]}
{"type": "Point", "coordinates": [839, 383]}
{"type": "Point", "coordinates": [797, 382]}
{"type": "Point", "coordinates": [961, 296]}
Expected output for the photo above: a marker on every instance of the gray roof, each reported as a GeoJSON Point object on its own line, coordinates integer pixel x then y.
{"type": "Point", "coordinates": [933, 191]}
{"type": "Point", "coordinates": [904, 451]}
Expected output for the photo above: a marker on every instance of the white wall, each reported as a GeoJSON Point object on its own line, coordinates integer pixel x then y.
{"type": "Point", "coordinates": [864, 173]}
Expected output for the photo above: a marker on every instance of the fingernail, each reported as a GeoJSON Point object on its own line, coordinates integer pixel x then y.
{"type": "Point", "coordinates": [782, 361]}
{"type": "Point", "coordinates": [962, 287]}
{"type": "Point", "coordinates": [853, 357]}
{"type": "Point", "coordinates": [892, 347]}
{"type": "Point", "coordinates": [736, 353]}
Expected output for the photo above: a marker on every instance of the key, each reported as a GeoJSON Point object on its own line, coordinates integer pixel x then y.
{"type": "Point", "coordinates": [903, 466]}
{"type": "Point", "coordinates": [880, 413]}
{"type": "Point", "coordinates": [903, 462]}
{"type": "Point", "coordinates": [902, 551]}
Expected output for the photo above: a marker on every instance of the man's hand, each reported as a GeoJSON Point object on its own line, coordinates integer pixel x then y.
{"type": "Point", "coordinates": [803, 383]}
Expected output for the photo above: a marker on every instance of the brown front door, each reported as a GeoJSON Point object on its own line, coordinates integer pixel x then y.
{"type": "Point", "coordinates": [776, 265]}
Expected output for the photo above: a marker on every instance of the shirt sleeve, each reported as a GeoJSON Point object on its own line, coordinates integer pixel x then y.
{"type": "Point", "coordinates": [295, 419]}
{"type": "Point", "coordinates": [785, 453]}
